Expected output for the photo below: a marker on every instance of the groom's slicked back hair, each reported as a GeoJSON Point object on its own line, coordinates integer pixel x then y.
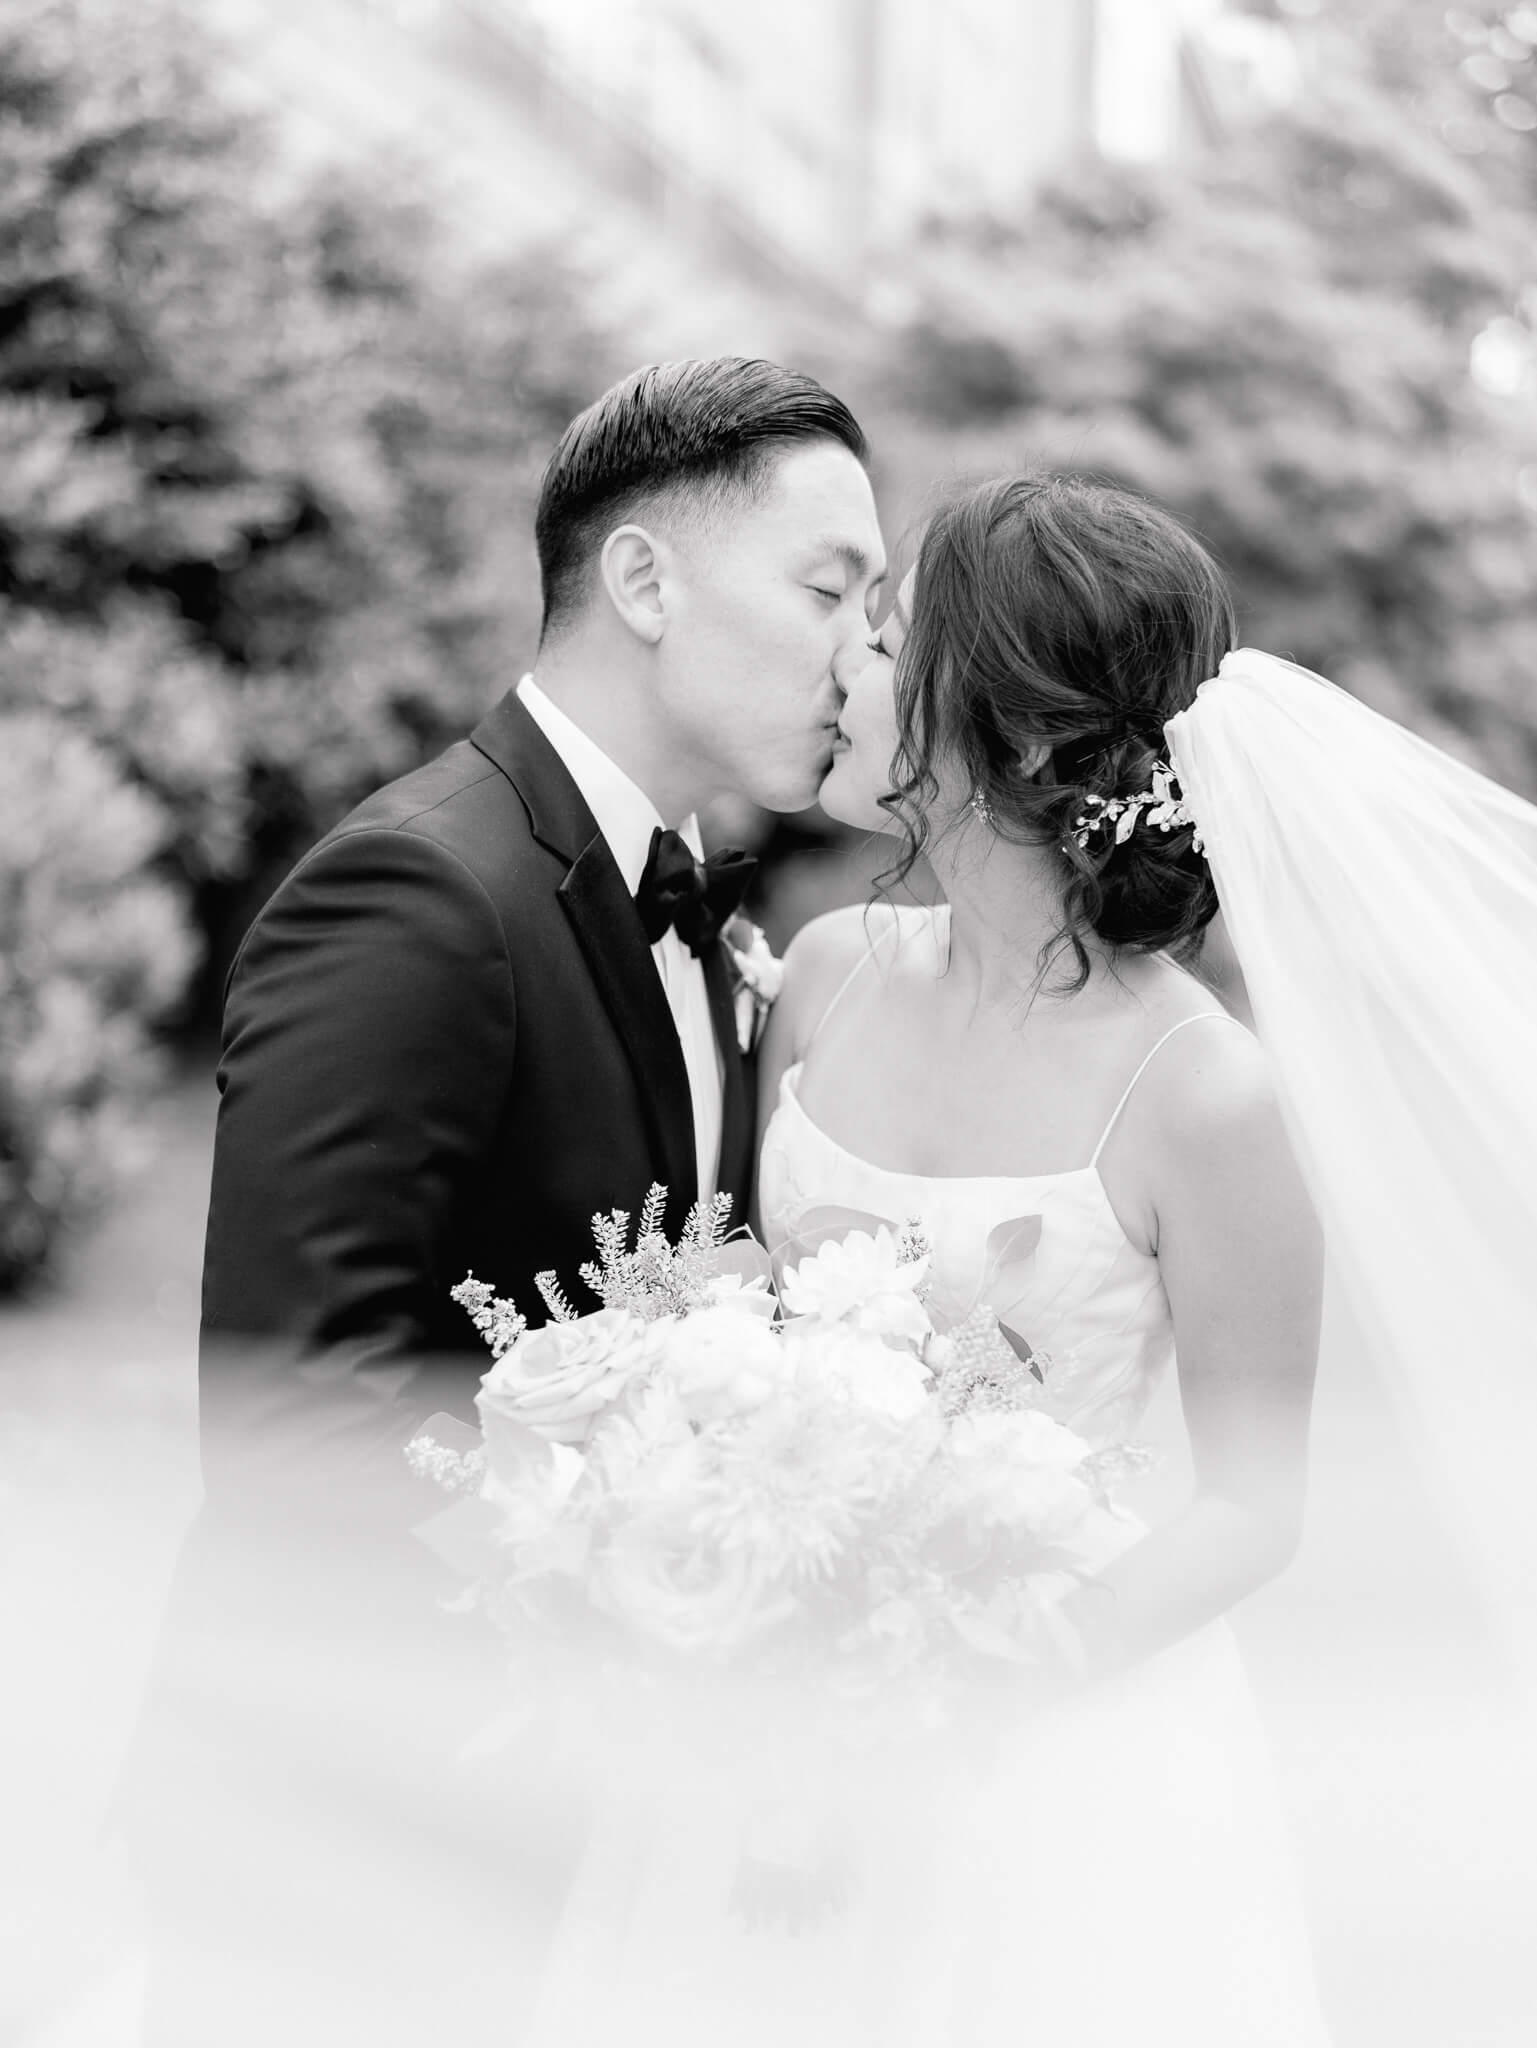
{"type": "Point", "coordinates": [702, 434]}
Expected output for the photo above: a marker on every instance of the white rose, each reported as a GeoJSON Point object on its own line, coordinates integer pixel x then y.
{"type": "Point", "coordinates": [757, 961]}
{"type": "Point", "coordinates": [536, 1521]}
{"type": "Point", "coordinates": [722, 1361]}
{"type": "Point", "coordinates": [860, 1278]}
{"type": "Point", "coordinates": [1019, 1470]}
{"type": "Point", "coordinates": [898, 1626]}
{"type": "Point", "coordinates": [672, 1589]}
{"type": "Point", "coordinates": [555, 1380]}
{"type": "Point", "coordinates": [650, 1459]}
{"type": "Point", "coordinates": [860, 1367]}
{"type": "Point", "coordinates": [745, 1297]}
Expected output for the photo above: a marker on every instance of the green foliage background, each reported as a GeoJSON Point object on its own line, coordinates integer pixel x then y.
{"type": "Point", "coordinates": [266, 473]}
{"type": "Point", "coordinates": [1274, 338]}
{"type": "Point", "coordinates": [267, 463]}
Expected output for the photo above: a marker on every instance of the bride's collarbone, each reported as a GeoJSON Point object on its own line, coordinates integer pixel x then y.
{"type": "Point", "coordinates": [951, 1114]}
{"type": "Point", "coordinates": [980, 1097]}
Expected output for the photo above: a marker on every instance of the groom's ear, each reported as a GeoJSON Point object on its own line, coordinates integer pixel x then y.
{"type": "Point", "coordinates": [631, 568]}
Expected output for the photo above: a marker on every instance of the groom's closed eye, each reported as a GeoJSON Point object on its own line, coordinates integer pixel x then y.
{"type": "Point", "coordinates": [834, 555]}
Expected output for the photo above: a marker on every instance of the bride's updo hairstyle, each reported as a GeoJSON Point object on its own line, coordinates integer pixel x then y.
{"type": "Point", "coordinates": [1052, 610]}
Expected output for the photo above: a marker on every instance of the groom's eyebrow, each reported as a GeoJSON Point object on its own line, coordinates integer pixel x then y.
{"type": "Point", "coordinates": [845, 551]}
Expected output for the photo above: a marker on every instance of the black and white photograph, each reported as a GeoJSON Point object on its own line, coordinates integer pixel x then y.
{"type": "Point", "coordinates": [768, 1023]}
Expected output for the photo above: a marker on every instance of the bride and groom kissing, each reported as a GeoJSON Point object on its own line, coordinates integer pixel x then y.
{"type": "Point", "coordinates": [502, 996]}
{"type": "Point", "coordinates": [509, 991]}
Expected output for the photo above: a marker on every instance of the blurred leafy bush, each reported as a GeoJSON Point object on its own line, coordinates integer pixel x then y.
{"type": "Point", "coordinates": [1275, 338]}
{"type": "Point", "coordinates": [267, 460]}
{"type": "Point", "coordinates": [94, 949]}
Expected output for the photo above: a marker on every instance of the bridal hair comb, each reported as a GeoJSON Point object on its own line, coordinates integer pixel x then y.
{"type": "Point", "coordinates": [1163, 806]}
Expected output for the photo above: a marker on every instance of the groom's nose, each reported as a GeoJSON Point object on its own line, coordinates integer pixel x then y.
{"type": "Point", "coordinates": [848, 660]}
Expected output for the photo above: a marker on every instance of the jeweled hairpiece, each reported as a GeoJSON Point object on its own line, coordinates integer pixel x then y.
{"type": "Point", "coordinates": [1162, 806]}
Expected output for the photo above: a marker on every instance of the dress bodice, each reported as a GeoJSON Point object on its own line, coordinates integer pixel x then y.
{"type": "Point", "coordinates": [1045, 1252]}
{"type": "Point", "coordinates": [1075, 1288]}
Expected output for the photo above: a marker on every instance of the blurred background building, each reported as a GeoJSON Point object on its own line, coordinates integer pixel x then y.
{"type": "Point", "coordinates": [734, 154]}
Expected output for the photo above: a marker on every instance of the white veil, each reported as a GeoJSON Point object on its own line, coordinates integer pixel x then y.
{"type": "Point", "coordinates": [1382, 901]}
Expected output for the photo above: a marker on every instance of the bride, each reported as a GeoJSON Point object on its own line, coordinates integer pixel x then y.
{"type": "Point", "coordinates": [1052, 714]}
{"type": "Point", "coordinates": [1047, 1053]}
{"type": "Point", "coordinates": [1032, 1053]}
{"type": "Point", "coordinates": [1092, 774]}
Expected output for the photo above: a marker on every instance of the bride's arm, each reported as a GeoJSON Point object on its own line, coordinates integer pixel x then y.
{"type": "Point", "coordinates": [1242, 1262]}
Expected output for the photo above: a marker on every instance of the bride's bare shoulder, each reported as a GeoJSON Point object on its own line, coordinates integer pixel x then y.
{"type": "Point", "coordinates": [1212, 1118]}
{"type": "Point", "coordinates": [824, 953]}
{"type": "Point", "coordinates": [838, 940]}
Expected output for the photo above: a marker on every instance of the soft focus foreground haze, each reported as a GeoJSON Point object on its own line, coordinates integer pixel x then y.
{"type": "Point", "coordinates": [295, 299]}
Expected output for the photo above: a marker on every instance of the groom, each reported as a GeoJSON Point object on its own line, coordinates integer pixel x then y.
{"type": "Point", "coordinates": [491, 1002]}
{"type": "Point", "coordinates": [494, 999]}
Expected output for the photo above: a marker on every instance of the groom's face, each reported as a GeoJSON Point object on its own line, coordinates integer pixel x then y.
{"type": "Point", "coordinates": [768, 622]}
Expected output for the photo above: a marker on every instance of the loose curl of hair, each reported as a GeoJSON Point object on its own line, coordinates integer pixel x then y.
{"type": "Point", "coordinates": [1053, 610]}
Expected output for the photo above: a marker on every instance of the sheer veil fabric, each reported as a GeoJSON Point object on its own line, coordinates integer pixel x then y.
{"type": "Point", "coordinates": [1381, 898]}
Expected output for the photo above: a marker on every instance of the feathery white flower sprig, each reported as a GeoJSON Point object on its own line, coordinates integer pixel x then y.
{"type": "Point", "coordinates": [455, 1471]}
{"type": "Point", "coordinates": [657, 1279]}
{"type": "Point", "coordinates": [1163, 806]}
{"type": "Point", "coordinates": [497, 1320]}
{"type": "Point", "coordinates": [977, 1368]}
{"type": "Point", "coordinates": [914, 1248]}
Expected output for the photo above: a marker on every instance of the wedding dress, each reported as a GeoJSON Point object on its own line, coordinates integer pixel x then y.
{"type": "Point", "coordinates": [1115, 1872]}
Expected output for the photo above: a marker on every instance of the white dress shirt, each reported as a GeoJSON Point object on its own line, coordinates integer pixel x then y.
{"type": "Point", "coordinates": [626, 817]}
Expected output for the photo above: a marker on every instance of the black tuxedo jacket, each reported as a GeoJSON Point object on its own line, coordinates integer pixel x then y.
{"type": "Point", "coordinates": [446, 1046]}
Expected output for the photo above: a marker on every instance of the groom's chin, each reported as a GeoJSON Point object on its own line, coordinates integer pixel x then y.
{"type": "Point", "coordinates": [790, 795]}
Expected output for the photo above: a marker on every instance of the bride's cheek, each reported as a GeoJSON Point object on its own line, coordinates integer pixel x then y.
{"type": "Point", "coordinates": [865, 811]}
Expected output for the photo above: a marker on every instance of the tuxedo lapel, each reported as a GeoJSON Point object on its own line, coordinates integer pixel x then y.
{"type": "Point", "coordinates": [557, 812]}
{"type": "Point", "coordinates": [608, 929]}
{"type": "Point", "coordinates": [736, 1102]}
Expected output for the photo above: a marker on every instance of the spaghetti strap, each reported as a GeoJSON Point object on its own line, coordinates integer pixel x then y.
{"type": "Point", "coordinates": [849, 980]}
{"type": "Point", "coordinates": [1115, 1114]}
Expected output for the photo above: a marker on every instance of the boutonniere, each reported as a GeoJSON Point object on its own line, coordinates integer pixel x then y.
{"type": "Point", "coordinates": [756, 978]}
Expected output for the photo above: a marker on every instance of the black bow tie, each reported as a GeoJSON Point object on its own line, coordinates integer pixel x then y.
{"type": "Point", "coordinates": [693, 898]}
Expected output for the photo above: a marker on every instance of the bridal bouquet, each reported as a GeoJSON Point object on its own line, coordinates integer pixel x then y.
{"type": "Point", "coordinates": [812, 1479]}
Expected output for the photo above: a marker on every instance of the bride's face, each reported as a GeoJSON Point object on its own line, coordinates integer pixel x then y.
{"type": "Point", "coordinates": [865, 752]}
{"type": "Point", "coordinates": [865, 749]}
{"type": "Point", "coordinates": [866, 744]}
